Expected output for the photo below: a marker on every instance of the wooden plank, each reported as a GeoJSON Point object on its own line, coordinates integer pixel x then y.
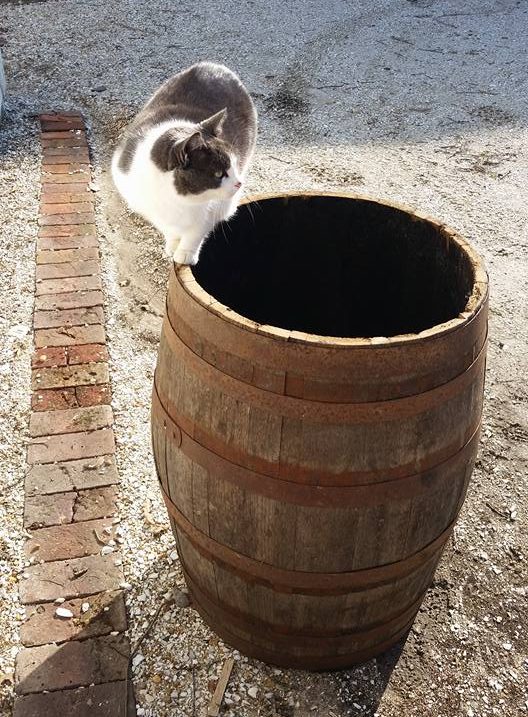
{"type": "Point", "coordinates": [216, 701]}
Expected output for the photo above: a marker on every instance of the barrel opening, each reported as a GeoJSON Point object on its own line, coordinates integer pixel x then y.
{"type": "Point", "coordinates": [336, 266]}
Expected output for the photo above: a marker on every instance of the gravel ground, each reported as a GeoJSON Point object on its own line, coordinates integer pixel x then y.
{"type": "Point", "coordinates": [19, 177]}
{"type": "Point", "coordinates": [419, 102]}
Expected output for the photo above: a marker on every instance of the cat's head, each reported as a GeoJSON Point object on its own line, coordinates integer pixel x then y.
{"type": "Point", "coordinates": [202, 163]}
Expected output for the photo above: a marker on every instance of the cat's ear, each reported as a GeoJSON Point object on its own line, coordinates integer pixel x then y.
{"type": "Point", "coordinates": [177, 155]}
{"type": "Point", "coordinates": [213, 125]}
{"type": "Point", "coordinates": [170, 152]}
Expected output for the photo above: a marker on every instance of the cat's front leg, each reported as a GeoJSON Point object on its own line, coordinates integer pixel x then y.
{"type": "Point", "coordinates": [188, 249]}
{"type": "Point", "coordinates": [171, 244]}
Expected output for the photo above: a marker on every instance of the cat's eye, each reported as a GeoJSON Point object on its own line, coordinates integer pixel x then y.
{"type": "Point", "coordinates": [219, 173]}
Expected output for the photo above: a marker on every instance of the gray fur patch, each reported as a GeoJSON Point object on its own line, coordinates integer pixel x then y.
{"type": "Point", "coordinates": [195, 95]}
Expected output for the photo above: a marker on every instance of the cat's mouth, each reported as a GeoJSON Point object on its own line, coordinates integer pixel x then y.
{"type": "Point", "coordinates": [234, 188]}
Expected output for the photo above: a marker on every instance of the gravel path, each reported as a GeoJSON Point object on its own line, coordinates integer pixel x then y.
{"type": "Point", "coordinates": [420, 102]}
{"type": "Point", "coordinates": [19, 178]}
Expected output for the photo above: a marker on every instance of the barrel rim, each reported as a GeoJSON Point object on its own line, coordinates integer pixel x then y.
{"type": "Point", "coordinates": [474, 303]}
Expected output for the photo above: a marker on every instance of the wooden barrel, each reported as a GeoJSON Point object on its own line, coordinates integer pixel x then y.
{"type": "Point", "coordinates": [316, 415]}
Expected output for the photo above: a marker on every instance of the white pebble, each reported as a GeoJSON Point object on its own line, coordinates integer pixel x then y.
{"type": "Point", "coordinates": [138, 659]}
{"type": "Point", "coordinates": [63, 612]}
{"type": "Point", "coordinates": [507, 646]}
{"type": "Point", "coordinates": [59, 601]}
{"type": "Point", "coordinates": [107, 550]}
{"type": "Point", "coordinates": [85, 607]}
{"type": "Point", "coordinates": [253, 692]}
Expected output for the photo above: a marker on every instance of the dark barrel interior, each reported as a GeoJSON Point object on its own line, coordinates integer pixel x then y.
{"type": "Point", "coordinates": [336, 267]}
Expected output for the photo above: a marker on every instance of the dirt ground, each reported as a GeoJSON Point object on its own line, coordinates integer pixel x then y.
{"type": "Point", "coordinates": [421, 102]}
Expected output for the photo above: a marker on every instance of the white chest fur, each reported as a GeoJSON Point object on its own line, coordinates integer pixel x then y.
{"type": "Point", "coordinates": [184, 221]}
{"type": "Point", "coordinates": [146, 189]}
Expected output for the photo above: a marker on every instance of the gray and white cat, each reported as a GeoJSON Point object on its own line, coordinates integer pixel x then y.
{"type": "Point", "coordinates": [182, 161]}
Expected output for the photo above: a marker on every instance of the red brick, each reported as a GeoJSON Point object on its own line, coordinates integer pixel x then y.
{"type": "Point", "coordinates": [71, 446]}
{"type": "Point", "coordinates": [46, 582]}
{"type": "Point", "coordinates": [69, 141]}
{"type": "Point", "coordinates": [95, 503]}
{"type": "Point", "coordinates": [68, 156]}
{"type": "Point", "coordinates": [93, 395]}
{"type": "Point", "coordinates": [67, 208]}
{"type": "Point", "coordinates": [54, 126]}
{"type": "Point", "coordinates": [105, 700]}
{"type": "Point", "coordinates": [70, 335]}
{"type": "Point", "coordinates": [71, 475]}
{"type": "Point", "coordinates": [49, 197]}
{"type": "Point", "coordinates": [71, 178]}
{"type": "Point", "coordinates": [66, 256]}
{"type": "Point", "coordinates": [43, 626]}
{"type": "Point", "coordinates": [54, 399]}
{"type": "Point", "coordinates": [65, 155]}
{"type": "Point", "coordinates": [89, 353]}
{"type": "Point", "coordinates": [72, 300]}
{"type": "Point", "coordinates": [68, 317]}
{"type": "Point", "coordinates": [88, 374]}
{"type": "Point", "coordinates": [41, 511]}
{"type": "Point", "coordinates": [73, 119]}
{"type": "Point", "coordinates": [58, 120]}
{"type": "Point", "coordinates": [64, 286]}
{"type": "Point", "coordinates": [69, 230]}
{"type": "Point", "coordinates": [67, 269]}
{"type": "Point", "coordinates": [48, 189]}
{"type": "Point", "coordinates": [55, 667]}
{"type": "Point", "coordinates": [71, 420]}
{"type": "Point", "coordinates": [48, 152]}
{"type": "Point", "coordinates": [69, 168]}
{"type": "Point", "coordinates": [45, 358]}
{"type": "Point", "coordinates": [73, 242]}
{"type": "Point", "coordinates": [50, 220]}
{"type": "Point", "coordinates": [64, 542]}
{"type": "Point", "coordinates": [64, 134]}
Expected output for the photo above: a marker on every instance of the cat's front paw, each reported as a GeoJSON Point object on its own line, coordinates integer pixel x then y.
{"type": "Point", "coordinates": [170, 245]}
{"type": "Point", "coordinates": [181, 256]}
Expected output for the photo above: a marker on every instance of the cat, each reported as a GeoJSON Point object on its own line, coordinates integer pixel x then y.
{"type": "Point", "coordinates": [182, 161]}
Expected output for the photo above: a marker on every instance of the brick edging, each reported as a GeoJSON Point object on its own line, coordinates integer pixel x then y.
{"type": "Point", "coordinates": [70, 491]}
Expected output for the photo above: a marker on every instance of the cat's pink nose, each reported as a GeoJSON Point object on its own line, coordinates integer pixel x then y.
{"type": "Point", "coordinates": [237, 185]}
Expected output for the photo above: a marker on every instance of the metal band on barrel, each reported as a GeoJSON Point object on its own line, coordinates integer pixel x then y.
{"type": "Point", "coordinates": [291, 581]}
{"type": "Point", "coordinates": [252, 471]}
